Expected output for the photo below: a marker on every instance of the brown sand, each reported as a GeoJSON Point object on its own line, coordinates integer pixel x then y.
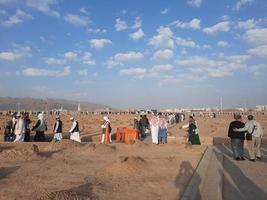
{"type": "Point", "coordinates": [83, 171]}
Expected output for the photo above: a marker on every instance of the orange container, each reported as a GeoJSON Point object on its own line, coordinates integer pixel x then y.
{"type": "Point", "coordinates": [130, 135]}
{"type": "Point", "coordinates": [120, 134]}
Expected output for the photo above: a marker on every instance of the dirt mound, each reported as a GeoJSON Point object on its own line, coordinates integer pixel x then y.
{"type": "Point", "coordinates": [103, 148]}
{"type": "Point", "coordinates": [64, 195]}
{"type": "Point", "coordinates": [20, 152]}
{"type": "Point", "coordinates": [63, 144]}
{"type": "Point", "coordinates": [127, 166]}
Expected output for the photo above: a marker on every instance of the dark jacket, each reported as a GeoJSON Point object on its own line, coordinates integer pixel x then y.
{"type": "Point", "coordinates": [76, 128]}
{"type": "Point", "coordinates": [143, 122]}
{"type": "Point", "coordinates": [59, 128]}
{"type": "Point", "coordinates": [236, 135]}
{"type": "Point", "coordinates": [136, 125]}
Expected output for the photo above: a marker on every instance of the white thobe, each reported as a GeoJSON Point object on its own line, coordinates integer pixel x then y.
{"type": "Point", "coordinates": [74, 135]}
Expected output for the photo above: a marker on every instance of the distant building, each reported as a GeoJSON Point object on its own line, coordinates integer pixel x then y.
{"type": "Point", "coordinates": [261, 108]}
{"type": "Point", "coordinates": [79, 107]}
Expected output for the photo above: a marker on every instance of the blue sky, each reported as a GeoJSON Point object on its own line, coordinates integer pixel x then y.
{"type": "Point", "coordinates": [135, 54]}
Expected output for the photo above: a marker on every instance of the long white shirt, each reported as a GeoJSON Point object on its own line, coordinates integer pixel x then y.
{"type": "Point", "coordinates": [73, 126]}
{"type": "Point", "coordinates": [20, 127]}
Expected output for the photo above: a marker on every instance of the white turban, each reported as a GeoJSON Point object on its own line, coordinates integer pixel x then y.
{"type": "Point", "coordinates": [106, 119]}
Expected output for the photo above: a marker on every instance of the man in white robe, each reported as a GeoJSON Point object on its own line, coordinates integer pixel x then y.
{"type": "Point", "coordinates": [19, 129]}
{"type": "Point", "coordinates": [154, 127]}
{"type": "Point", "coordinates": [74, 130]}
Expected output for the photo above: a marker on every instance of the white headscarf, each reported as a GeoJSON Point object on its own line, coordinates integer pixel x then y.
{"type": "Point", "coordinates": [106, 119]}
{"type": "Point", "coordinates": [41, 116]}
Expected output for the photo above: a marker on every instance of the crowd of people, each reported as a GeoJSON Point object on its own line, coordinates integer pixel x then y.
{"type": "Point", "coordinates": [17, 129]}
{"type": "Point", "coordinates": [156, 126]}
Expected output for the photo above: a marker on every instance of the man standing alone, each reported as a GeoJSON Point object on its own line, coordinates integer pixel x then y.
{"type": "Point", "coordinates": [254, 134]}
{"type": "Point", "coordinates": [237, 138]}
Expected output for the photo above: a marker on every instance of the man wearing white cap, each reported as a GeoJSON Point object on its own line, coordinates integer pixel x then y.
{"type": "Point", "coordinates": [40, 128]}
{"type": "Point", "coordinates": [74, 131]}
{"type": "Point", "coordinates": [58, 129]}
{"type": "Point", "coordinates": [19, 129]}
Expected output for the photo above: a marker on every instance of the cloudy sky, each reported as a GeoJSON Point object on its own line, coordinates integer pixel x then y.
{"type": "Point", "coordinates": [142, 54]}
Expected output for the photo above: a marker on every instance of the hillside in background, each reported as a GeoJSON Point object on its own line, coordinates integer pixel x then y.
{"type": "Point", "coordinates": [10, 103]}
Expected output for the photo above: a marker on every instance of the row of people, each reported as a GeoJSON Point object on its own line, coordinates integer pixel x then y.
{"type": "Point", "coordinates": [157, 125]}
{"type": "Point", "coordinates": [18, 130]}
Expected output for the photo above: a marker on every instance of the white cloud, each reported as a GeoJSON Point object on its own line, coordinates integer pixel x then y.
{"type": "Point", "coordinates": [225, 17]}
{"type": "Point", "coordinates": [18, 18]}
{"type": "Point", "coordinates": [83, 10]}
{"type": "Point", "coordinates": [225, 66]}
{"type": "Point", "coordinates": [77, 20]}
{"type": "Point", "coordinates": [165, 11]}
{"type": "Point", "coordinates": [99, 43]}
{"type": "Point", "coordinates": [222, 43]}
{"type": "Point", "coordinates": [206, 46]}
{"type": "Point", "coordinates": [163, 54]}
{"type": "Point", "coordinates": [9, 56]}
{"type": "Point", "coordinates": [256, 36]}
{"type": "Point", "coordinates": [120, 25]}
{"type": "Point", "coordinates": [55, 61]}
{"type": "Point", "coordinates": [120, 58]}
{"type": "Point", "coordinates": [185, 43]}
{"type": "Point", "coordinates": [194, 3]}
{"type": "Point", "coordinates": [46, 72]}
{"type": "Point", "coordinates": [137, 23]}
{"type": "Point", "coordinates": [220, 27]}
{"type": "Point", "coordinates": [87, 59]}
{"type": "Point", "coordinates": [257, 70]}
{"type": "Point", "coordinates": [164, 38]}
{"type": "Point", "coordinates": [241, 3]}
{"type": "Point", "coordinates": [193, 24]}
{"type": "Point", "coordinates": [97, 30]}
{"type": "Point", "coordinates": [181, 77]}
{"type": "Point", "coordinates": [248, 24]}
{"type": "Point", "coordinates": [157, 69]}
{"type": "Point", "coordinates": [43, 6]}
{"type": "Point", "coordinates": [83, 72]}
{"type": "Point", "coordinates": [260, 51]}
{"type": "Point", "coordinates": [136, 72]}
{"type": "Point", "coordinates": [70, 55]}
{"type": "Point", "coordinates": [17, 53]}
{"type": "Point", "coordinates": [137, 35]}
{"type": "Point", "coordinates": [237, 58]}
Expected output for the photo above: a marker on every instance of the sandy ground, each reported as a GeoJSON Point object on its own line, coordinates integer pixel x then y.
{"type": "Point", "coordinates": [69, 170]}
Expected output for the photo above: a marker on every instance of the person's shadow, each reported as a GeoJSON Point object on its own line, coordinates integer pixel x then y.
{"type": "Point", "coordinates": [241, 187]}
{"type": "Point", "coordinates": [6, 171]}
{"type": "Point", "coordinates": [183, 179]}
